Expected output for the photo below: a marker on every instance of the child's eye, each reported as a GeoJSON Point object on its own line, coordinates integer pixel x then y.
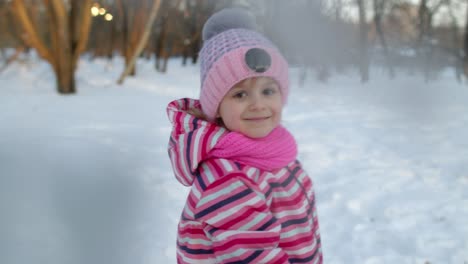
{"type": "Point", "coordinates": [269, 91]}
{"type": "Point", "coordinates": [240, 95]}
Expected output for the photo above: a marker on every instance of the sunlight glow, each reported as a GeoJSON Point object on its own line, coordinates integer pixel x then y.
{"type": "Point", "coordinates": [94, 11]}
{"type": "Point", "coordinates": [108, 17]}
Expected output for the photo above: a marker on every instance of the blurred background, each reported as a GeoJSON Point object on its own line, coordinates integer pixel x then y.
{"type": "Point", "coordinates": [324, 37]}
{"type": "Point", "coordinates": [379, 110]}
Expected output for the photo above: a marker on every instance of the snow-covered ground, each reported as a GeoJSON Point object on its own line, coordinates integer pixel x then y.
{"type": "Point", "coordinates": [87, 179]}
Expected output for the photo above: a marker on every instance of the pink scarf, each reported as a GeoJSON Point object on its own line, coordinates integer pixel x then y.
{"type": "Point", "coordinates": [274, 151]}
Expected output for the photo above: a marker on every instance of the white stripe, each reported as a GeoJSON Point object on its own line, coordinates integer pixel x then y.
{"type": "Point", "coordinates": [254, 221]}
{"type": "Point", "coordinates": [271, 175]}
{"type": "Point", "coordinates": [199, 132]}
{"type": "Point", "coordinates": [227, 165]}
{"type": "Point", "coordinates": [177, 172]}
{"type": "Point", "coordinates": [296, 231]}
{"type": "Point", "coordinates": [227, 234]}
{"type": "Point", "coordinates": [195, 241]}
{"type": "Point", "coordinates": [188, 211]}
{"type": "Point", "coordinates": [191, 103]}
{"type": "Point", "coordinates": [214, 140]}
{"type": "Point", "coordinates": [271, 255]}
{"type": "Point", "coordinates": [187, 122]}
{"type": "Point", "coordinates": [293, 212]}
{"type": "Point", "coordinates": [281, 173]}
{"type": "Point", "coordinates": [221, 216]}
{"type": "Point", "coordinates": [194, 224]}
{"type": "Point", "coordinates": [288, 193]}
{"type": "Point", "coordinates": [180, 103]}
{"type": "Point", "coordinates": [207, 172]}
{"type": "Point", "coordinates": [251, 171]}
{"type": "Point", "coordinates": [196, 192]}
{"type": "Point", "coordinates": [257, 176]}
{"type": "Point", "coordinates": [264, 182]}
{"type": "Point", "coordinates": [224, 191]}
{"type": "Point", "coordinates": [236, 253]}
{"type": "Point", "coordinates": [303, 250]}
{"type": "Point", "coordinates": [302, 176]}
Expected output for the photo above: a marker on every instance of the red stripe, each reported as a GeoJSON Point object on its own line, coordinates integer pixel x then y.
{"type": "Point", "coordinates": [218, 170]}
{"type": "Point", "coordinates": [287, 202]}
{"type": "Point", "coordinates": [282, 260]}
{"type": "Point", "coordinates": [189, 231]}
{"type": "Point", "coordinates": [205, 143]}
{"type": "Point", "coordinates": [256, 241]}
{"type": "Point", "coordinates": [190, 200]}
{"type": "Point", "coordinates": [309, 237]}
{"type": "Point", "coordinates": [221, 181]}
{"type": "Point", "coordinates": [245, 218]}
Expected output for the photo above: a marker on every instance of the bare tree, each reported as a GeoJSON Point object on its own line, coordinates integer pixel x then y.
{"type": "Point", "coordinates": [68, 36]}
{"type": "Point", "coordinates": [465, 46]}
{"type": "Point", "coordinates": [455, 51]}
{"type": "Point", "coordinates": [142, 42]}
{"type": "Point", "coordinates": [133, 16]}
{"type": "Point", "coordinates": [363, 47]}
{"type": "Point", "coordinates": [379, 8]}
{"type": "Point", "coordinates": [425, 45]}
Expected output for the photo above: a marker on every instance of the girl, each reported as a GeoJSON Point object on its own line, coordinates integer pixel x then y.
{"type": "Point", "coordinates": [250, 200]}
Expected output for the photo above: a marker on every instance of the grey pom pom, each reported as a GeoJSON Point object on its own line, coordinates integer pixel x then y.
{"type": "Point", "coordinates": [226, 19]}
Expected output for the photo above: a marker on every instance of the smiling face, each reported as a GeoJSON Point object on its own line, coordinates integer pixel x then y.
{"type": "Point", "coordinates": [252, 107]}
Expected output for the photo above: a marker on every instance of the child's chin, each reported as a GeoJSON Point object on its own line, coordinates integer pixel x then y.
{"type": "Point", "coordinates": [258, 134]}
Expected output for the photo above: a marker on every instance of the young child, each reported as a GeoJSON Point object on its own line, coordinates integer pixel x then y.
{"type": "Point", "coordinates": [250, 200]}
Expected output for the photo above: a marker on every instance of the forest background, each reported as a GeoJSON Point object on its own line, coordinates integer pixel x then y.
{"type": "Point", "coordinates": [323, 37]}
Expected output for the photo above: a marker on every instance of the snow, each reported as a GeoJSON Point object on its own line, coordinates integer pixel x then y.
{"type": "Point", "coordinates": [87, 179]}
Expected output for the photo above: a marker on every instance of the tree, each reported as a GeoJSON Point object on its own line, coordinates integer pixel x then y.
{"type": "Point", "coordinates": [379, 8]}
{"type": "Point", "coordinates": [465, 46]}
{"type": "Point", "coordinates": [142, 42]}
{"type": "Point", "coordinates": [167, 38]}
{"type": "Point", "coordinates": [363, 47]}
{"type": "Point", "coordinates": [425, 44]}
{"type": "Point", "coordinates": [456, 50]}
{"type": "Point", "coordinates": [68, 34]}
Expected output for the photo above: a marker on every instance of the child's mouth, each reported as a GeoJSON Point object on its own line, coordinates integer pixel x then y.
{"type": "Point", "coordinates": [257, 118]}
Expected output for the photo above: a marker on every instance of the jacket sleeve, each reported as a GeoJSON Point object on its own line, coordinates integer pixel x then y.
{"type": "Point", "coordinates": [239, 223]}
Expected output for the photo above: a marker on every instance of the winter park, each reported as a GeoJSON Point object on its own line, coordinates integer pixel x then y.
{"type": "Point", "coordinates": [378, 106]}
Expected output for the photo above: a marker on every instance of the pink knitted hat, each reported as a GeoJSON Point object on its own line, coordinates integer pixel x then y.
{"type": "Point", "coordinates": [233, 52]}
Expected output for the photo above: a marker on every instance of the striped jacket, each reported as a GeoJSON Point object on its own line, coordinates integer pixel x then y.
{"type": "Point", "coordinates": [236, 213]}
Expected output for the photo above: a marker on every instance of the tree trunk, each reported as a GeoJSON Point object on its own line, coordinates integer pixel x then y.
{"type": "Point", "coordinates": [456, 47]}
{"type": "Point", "coordinates": [29, 27]}
{"type": "Point", "coordinates": [465, 46]}
{"type": "Point", "coordinates": [65, 78]}
{"type": "Point", "coordinates": [61, 44]}
{"type": "Point", "coordinates": [422, 22]}
{"type": "Point", "coordinates": [379, 6]}
{"type": "Point", "coordinates": [161, 43]}
{"type": "Point", "coordinates": [363, 47]}
{"type": "Point", "coordinates": [142, 42]}
{"type": "Point", "coordinates": [68, 37]}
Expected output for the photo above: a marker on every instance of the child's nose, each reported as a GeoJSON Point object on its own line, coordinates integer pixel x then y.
{"type": "Point", "coordinates": [256, 102]}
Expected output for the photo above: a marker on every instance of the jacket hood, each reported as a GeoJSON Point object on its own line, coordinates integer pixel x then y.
{"type": "Point", "coordinates": [191, 139]}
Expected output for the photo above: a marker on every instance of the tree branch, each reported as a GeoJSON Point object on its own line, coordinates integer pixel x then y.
{"type": "Point", "coordinates": [85, 22]}
{"type": "Point", "coordinates": [143, 40]}
{"type": "Point", "coordinates": [32, 38]}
